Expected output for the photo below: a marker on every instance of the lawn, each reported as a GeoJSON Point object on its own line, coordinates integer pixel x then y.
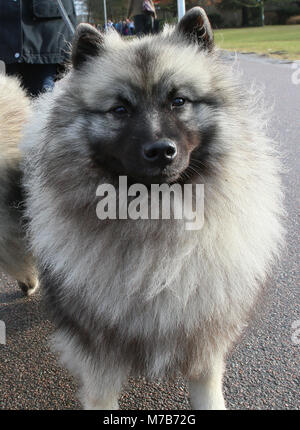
{"type": "Point", "coordinates": [280, 41]}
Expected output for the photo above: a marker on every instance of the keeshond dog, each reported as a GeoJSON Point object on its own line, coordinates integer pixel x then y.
{"type": "Point", "coordinates": [149, 297]}
{"type": "Point", "coordinates": [14, 256]}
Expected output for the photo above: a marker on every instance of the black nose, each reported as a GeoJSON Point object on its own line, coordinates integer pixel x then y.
{"type": "Point", "coordinates": [161, 152]}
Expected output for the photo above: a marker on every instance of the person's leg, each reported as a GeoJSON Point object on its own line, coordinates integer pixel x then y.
{"type": "Point", "coordinates": [148, 24]}
{"type": "Point", "coordinates": [139, 24]}
{"type": "Point", "coordinates": [35, 78]}
{"type": "Point", "coordinates": [13, 69]}
{"type": "Point", "coordinates": [38, 78]}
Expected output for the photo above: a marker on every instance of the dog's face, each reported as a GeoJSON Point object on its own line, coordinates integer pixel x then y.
{"type": "Point", "coordinates": [148, 133]}
{"type": "Point", "coordinates": [147, 108]}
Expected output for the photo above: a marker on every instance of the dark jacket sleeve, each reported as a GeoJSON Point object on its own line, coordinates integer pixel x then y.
{"type": "Point", "coordinates": [33, 31]}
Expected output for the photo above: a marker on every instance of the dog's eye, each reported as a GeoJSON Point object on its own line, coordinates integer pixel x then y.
{"type": "Point", "coordinates": [119, 110]}
{"type": "Point", "coordinates": [178, 102]}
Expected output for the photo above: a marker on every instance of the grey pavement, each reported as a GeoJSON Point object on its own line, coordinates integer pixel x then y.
{"type": "Point", "coordinates": [263, 369]}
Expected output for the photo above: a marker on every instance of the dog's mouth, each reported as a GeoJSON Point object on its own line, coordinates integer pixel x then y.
{"type": "Point", "coordinates": [137, 174]}
{"type": "Point", "coordinates": [154, 179]}
{"type": "Point", "coordinates": [155, 175]}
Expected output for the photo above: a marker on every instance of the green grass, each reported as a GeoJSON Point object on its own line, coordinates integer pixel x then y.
{"type": "Point", "coordinates": [281, 41]}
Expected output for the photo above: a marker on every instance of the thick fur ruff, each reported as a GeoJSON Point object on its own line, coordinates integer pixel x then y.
{"type": "Point", "coordinates": [148, 297]}
{"type": "Point", "coordinates": [14, 111]}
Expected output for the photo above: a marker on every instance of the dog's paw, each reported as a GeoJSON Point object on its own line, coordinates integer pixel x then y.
{"type": "Point", "coordinates": [101, 405]}
{"type": "Point", "coordinates": [28, 289]}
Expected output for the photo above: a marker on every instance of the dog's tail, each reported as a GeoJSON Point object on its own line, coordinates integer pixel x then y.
{"type": "Point", "coordinates": [15, 110]}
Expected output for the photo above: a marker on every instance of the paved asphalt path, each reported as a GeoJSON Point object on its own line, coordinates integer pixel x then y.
{"type": "Point", "coordinates": [262, 371]}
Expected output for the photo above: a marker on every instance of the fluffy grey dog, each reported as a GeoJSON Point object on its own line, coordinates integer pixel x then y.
{"type": "Point", "coordinates": [133, 297]}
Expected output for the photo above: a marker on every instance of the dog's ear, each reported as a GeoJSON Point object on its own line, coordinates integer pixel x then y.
{"type": "Point", "coordinates": [196, 27]}
{"type": "Point", "coordinates": [87, 43]}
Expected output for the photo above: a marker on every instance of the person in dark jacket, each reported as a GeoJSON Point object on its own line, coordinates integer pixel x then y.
{"type": "Point", "coordinates": [33, 40]}
{"type": "Point", "coordinates": [143, 21]}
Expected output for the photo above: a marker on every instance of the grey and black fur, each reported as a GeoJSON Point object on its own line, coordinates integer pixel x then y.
{"type": "Point", "coordinates": [147, 296]}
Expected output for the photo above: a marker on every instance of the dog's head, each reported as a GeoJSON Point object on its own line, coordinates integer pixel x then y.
{"type": "Point", "coordinates": [148, 107]}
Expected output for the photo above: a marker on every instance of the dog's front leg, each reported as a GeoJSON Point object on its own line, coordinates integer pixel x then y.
{"type": "Point", "coordinates": [102, 383]}
{"type": "Point", "coordinates": [101, 388]}
{"type": "Point", "coordinates": [95, 401]}
{"type": "Point", "coordinates": [100, 375]}
{"type": "Point", "coordinates": [206, 388]}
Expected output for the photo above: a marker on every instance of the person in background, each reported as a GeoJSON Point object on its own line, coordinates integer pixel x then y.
{"type": "Point", "coordinates": [131, 28]}
{"type": "Point", "coordinates": [34, 40]}
{"type": "Point", "coordinates": [125, 28]}
{"type": "Point", "coordinates": [143, 13]}
{"type": "Point", "coordinates": [120, 27]}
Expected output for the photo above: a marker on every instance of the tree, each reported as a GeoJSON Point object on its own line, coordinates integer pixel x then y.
{"type": "Point", "coordinates": [245, 5]}
{"type": "Point", "coordinates": [116, 9]}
